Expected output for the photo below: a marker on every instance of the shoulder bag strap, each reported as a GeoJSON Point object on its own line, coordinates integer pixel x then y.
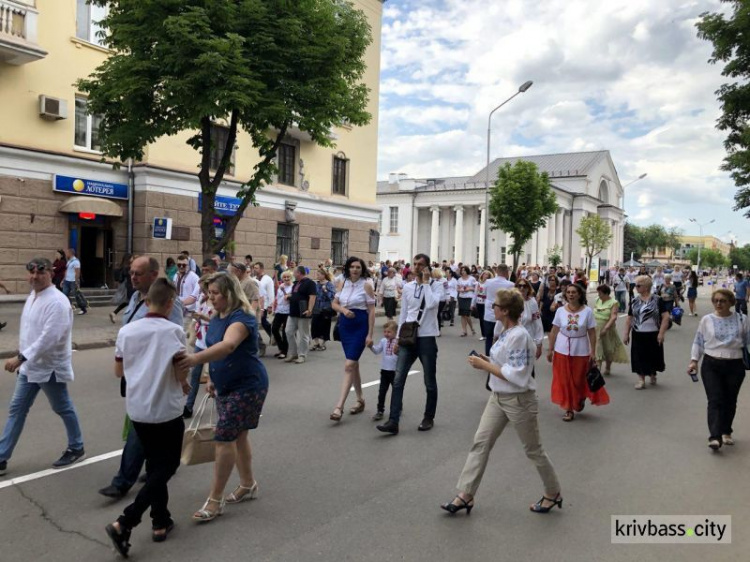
{"type": "Point", "coordinates": [139, 305]}
{"type": "Point", "coordinates": [421, 308]}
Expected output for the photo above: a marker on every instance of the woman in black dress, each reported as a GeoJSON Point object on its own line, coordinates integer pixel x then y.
{"type": "Point", "coordinates": [545, 297]}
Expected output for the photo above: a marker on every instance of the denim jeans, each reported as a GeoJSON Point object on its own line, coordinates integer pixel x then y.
{"type": "Point", "coordinates": [265, 323]}
{"type": "Point", "coordinates": [741, 306]}
{"type": "Point", "coordinates": [426, 351]}
{"type": "Point", "coordinates": [131, 462]}
{"type": "Point", "coordinates": [195, 380]}
{"type": "Point", "coordinates": [23, 398]}
{"type": "Point", "coordinates": [489, 333]}
{"type": "Point", "coordinates": [70, 287]}
{"type": "Point", "coordinates": [620, 296]}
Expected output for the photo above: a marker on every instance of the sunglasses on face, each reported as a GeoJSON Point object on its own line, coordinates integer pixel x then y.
{"type": "Point", "coordinates": [181, 265]}
{"type": "Point", "coordinates": [40, 267]}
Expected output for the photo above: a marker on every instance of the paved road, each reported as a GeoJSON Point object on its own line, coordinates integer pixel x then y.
{"type": "Point", "coordinates": [346, 492]}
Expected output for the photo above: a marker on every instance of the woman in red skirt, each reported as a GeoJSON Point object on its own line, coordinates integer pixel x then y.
{"type": "Point", "coordinates": [572, 348]}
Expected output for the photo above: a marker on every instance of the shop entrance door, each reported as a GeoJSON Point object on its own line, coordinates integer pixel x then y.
{"type": "Point", "coordinates": [96, 252]}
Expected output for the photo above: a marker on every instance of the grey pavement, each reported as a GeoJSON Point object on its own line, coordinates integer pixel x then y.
{"type": "Point", "coordinates": [347, 492]}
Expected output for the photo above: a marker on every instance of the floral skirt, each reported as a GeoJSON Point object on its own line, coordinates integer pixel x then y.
{"type": "Point", "coordinates": [238, 411]}
{"type": "Point", "coordinates": [569, 387]}
{"type": "Point", "coordinates": [609, 347]}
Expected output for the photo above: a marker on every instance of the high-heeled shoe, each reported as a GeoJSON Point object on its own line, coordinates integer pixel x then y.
{"type": "Point", "coordinates": [336, 414]}
{"type": "Point", "coordinates": [242, 493]}
{"type": "Point", "coordinates": [453, 508]}
{"type": "Point", "coordinates": [359, 407]}
{"type": "Point", "coordinates": [204, 516]}
{"type": "Point", "coordinates": [539, 508]}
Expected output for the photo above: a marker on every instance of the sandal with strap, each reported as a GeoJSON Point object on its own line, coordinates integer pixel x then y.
{"type": "Point", "coordinates": [336, 414]}
{"type": "Point", "coordinates": [242, 493]}
{"type": "Point", "coordinates": [569, 416]}
{"type": "Point", "coordinates": [358, 408]}
{"type": "Point", "coordinates": [454, 508]}
{"type": "Point", "coordinates": [203, 515]}
{"type": "Point", "coordinates": [538, 508]}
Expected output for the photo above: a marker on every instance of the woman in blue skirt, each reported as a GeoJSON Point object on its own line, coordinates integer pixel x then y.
{"type": "Point", "coordinates": [355, 304]}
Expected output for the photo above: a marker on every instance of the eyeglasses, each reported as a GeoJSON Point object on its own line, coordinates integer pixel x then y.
{"type": "Point", "coordinates": [32, 265]}
{"type": "Point", "coordinates": [495, 305]}
{"type": "Point", "coordinates": [720, 301]}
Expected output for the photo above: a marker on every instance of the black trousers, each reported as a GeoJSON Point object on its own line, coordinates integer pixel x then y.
{"type": "Point", "coordinates": [278, 328]}
{"type": "Point", "coordinates": [722, 379]}
{"type": "Point", "coordinates": [386, 381]}
{"type": "Point", "coordinates": [162, 445]}
{"type": "Point", "coordinates": [441, 307]}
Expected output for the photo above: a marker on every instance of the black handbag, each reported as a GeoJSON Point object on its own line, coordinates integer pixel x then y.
{"type": "Point", "coordinates": [336, 332]}
{"type": "Point", "coordinates": [594, 378]}
{"type": "Point", "coordinates": [409, 332]}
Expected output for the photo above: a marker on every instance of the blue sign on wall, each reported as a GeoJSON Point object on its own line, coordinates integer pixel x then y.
{"type": "Point", "coordinates": [162, 228]}
{"type": "Point", "coordinates": [94, 188]}
{"type": "Point", "coordinates": [223, 205]}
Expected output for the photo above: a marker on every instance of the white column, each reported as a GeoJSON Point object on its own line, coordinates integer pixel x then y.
{"type": "Point", "coordinates": [559, 234]}
{"type": "Point", "coordinates": [434, 232]}
{"type": "Point", "coordinates": [534, 248]}
{"type": "Point", "coordinates": [551, 231]}
{"type": "Point", "coordinates": [459, 243]}
{"type": "Point", "coordinates": [482, 233]}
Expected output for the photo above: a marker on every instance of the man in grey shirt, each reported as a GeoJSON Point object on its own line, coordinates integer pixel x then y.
{"type": "Point", "coordinates": [143, 272]}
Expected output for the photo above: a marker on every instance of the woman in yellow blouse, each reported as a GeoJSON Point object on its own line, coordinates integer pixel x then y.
{"type": "Point", "coordinates": [609, 347]}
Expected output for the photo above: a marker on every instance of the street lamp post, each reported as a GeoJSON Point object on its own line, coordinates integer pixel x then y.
{"type": "Point", "coordinates": [525, 86]}
{"type": "Point", "coordinates": [700, 243]}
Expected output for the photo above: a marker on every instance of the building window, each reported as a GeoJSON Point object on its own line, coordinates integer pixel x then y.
{"type": "Point", "coordinates": [340, 170]}
{"type": "Point", "coordinates": [219, 139]}
{"type": "Point", "coordinates": [503, 254]}
{"type": "Point", "coordinates": [88, 17]}
{"type": "Point", "coordinates": [287, 240]}
{"type": "Point", "coordinates": [286, 157]}
{"type": "Point", "coordinates": [394, 221]}
{"type": "Point", "coordinates": [478, 260]}
{"type": "Point", "coordinates": [86, 127]}
{"type": "Point", "coordinates": [339, 246]}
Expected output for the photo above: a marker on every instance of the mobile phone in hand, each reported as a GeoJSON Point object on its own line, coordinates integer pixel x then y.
{"type": "Point", "coordinates": [693, 375]}
{"type": "Point", "coordinates": [473, 354]}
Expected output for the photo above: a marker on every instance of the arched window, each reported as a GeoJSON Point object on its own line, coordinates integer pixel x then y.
{"type": "Point", "coordinates": [604, 192]}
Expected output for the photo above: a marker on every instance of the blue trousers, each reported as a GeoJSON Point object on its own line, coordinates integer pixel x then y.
{"type": "Point", "coordinates": [426, 351]}
{"type": "Point", "coordinates": [23, 398]}
{"type": "Point", "coordinates": [131, 462]}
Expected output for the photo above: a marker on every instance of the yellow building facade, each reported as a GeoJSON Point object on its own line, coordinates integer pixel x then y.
{"type": "Point", "coordinates": [55, 192]}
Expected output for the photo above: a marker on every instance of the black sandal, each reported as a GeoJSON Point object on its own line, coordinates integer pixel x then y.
{"type": "Point", "coordinates": [452, 508]}
{"type": "Point", "coordinates": [119, 539]}
{"type": "Point", "coordinates": [538, 508]}
{"type": "Point", "coordinates": [160, 535]}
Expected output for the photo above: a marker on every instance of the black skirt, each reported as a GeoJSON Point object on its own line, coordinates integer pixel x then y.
{"type": "Point", "coordinates": [389, 304]}
{"type": "Point", "coordinates": [646, 355]}
{"type": "Point", "coordinates": [464, 306]}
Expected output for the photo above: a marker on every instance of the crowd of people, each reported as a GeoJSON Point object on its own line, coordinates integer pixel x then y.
{"type": "Point", "coordinates": [208, 322]}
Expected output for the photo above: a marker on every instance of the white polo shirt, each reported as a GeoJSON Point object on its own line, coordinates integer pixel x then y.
{"type": "Point", "coordinates": [147, 349]}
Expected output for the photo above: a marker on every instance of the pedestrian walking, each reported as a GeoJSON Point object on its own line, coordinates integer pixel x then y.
{"type": "Point", "coordinates": [647, 323]}
{"type": "Point", "coordinates": [124, 287]}
{"type": "Point", "coordinates": [143, 272]}
{"type": "Point", "coordinates": [355, 305]}
{"type": "Point", "coordinates": [513, 400]}
{"type": "Point", "coordinates": [530, 318]}
{"type": "Point", "coordinates": [59, 267]}
{"type": "Point", "coordinates": [323, 313]}
{"type": "Point", "coordinates": [545, 299]}
{"type": "Point", "coordinates": [201, 316]}
{"type": "Point", "coordinates": [479, 302]}
{"type": "Point", "coordinates": [389, 290]}
{"type": "Point", "coordinates": [385, 347]}
{"type": "Point", "coordinates": [440, 288]}
{"type": "Point", "coordinates": [609, 347]}
{"type": "Point", "coordinates": [239, 382]}
{"type": "Point", "coordinates": [720, 340]}
{"type": "Point", "coordinates": [740, 293]}
{"type": "Point", "coordinates": [465, 289]}
{"type": "Point", "coordinates": [44, 362]}
{"type": "Point", "coordinates": [621, 285]}
{"type": "Point", "coordinates": [572, 350]}
{"type": "Point", "coordinates": [451, 288]}
{"type": "Point", "coordinates": [146, 353]}
{"type": "Point", "coordinates": [281, 313]}
{"type": "Point", "coordinates": [188, 285]}
{"type": "Point", "coordinates": [267, 294]}
{"type": "Point", "coordinates": [491, 287]}
{"type": "Point", "coordinates": [298, 324]}
{"type": "Point", "coordinates": [419, 303]}
{"type": "Point", "coordinates": [72, 280]}
{"type": "Point", "coordinates": [692, 291]}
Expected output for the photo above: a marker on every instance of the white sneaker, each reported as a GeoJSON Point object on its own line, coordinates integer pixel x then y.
{"type": "Point", "coordinates": [640, 385]}
{"type": "Point", "coordinates": [112, 317]}
{"type": "Point", "coordinates": [81, 312]}
{"type": "Point", "coordinates": [300, 360]}
{"type": "Point", "coordinates": [290, 358]}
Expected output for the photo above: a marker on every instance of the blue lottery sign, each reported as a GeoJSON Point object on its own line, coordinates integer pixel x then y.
{"type": "Point", "coordinates": [224, 205]}
{"type": "Point", "coordinates": [162, 228]}
{"type": "Point", "coordinates": [81, 186]}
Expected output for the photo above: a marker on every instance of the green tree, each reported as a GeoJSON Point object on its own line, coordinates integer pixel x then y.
{"type": "Point", "coordinates": [554, 255]}
{"type": "Point", "coordinates": [632, 242]}
{"type": "Point", "coordinates": [521, 200]}
{"type": "Point", "coordinates": [260, 65]}
{"type": "Point", "coordinates": [731, 47]}
{"type": "Point", "coordinates": [595, 235]}
{"type": "Point", "coordinates": [740, 256]}
{"type": "Point", "coordinates": [709, 257]}
{"type": "Point", "coordinates": [655, 237]}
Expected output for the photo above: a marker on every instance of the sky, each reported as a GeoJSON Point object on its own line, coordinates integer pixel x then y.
{"type": "Point", "coordinates": [628, 76]}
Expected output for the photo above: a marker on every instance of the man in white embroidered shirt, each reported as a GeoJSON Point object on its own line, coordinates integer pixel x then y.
{"type": "Point", "coordinates": [188, 284]}
{"type": "Point", "coordinates": [43, 363]}
{"type": "Point", "coordinates": [418, 304]}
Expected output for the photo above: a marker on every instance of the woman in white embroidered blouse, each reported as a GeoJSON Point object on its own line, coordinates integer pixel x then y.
{"type": "Point", "coordinates": [720, 339]}
{"type": "Point", "coordinates": [513, 401]}
{"type": "Point", "coordinates": [465, 287]}
{"type": "Point", "coordinates": [389, 291]}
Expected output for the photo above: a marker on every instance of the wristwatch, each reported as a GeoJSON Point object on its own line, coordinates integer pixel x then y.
{"type": "Point", "coordinates": [21, 358]}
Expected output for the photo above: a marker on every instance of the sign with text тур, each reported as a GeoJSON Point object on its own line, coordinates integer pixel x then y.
{"type": "Point", "coordinates": [94, 188]}
{"type": "Point", "coordinates": [162, 228]}
{"type": "Point", "coordinates": [225, 206]}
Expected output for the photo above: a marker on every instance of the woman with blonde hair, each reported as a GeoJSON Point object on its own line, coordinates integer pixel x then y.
{"type": "Point", "coordinates": [239, 382]}
{"type": "Point", "coordinates": [281, 313]}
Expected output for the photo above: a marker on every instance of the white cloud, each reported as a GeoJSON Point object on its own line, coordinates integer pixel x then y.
{"type": "Point", "coordinates": [625, 75]}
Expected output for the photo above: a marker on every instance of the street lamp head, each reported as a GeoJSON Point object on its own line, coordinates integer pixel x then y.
{"type": "Point", "coordinates": [693, 220]}
{"type": "Point", "coordinates": [712, 220]}
{"type": "Point", "coordinates": [525, 86]}
{"type": "Point", "coordinates": [642, 176]}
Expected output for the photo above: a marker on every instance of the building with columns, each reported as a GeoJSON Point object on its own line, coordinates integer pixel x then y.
{"type": "Point", "coordinates": [445, 217]}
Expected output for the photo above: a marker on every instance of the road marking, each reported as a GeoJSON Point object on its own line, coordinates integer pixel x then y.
{"type": "Point", "coordinates": [377, 382]}
{"type": "Point", "coordinates": [51, 471]}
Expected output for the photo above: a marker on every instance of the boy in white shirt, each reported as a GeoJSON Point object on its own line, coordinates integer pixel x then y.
{"type": "Point", "coordinates": [145, 354]}
{"type": "Point", "coordinates": [386, 347]}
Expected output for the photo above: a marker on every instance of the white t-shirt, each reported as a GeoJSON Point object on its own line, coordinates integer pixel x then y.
{"type": "Point", "coordinates": [282, 303]}
{"type": "Point", "coordinates": [70, 269]}
{"type": "Point", "coordinates": [353, 295]}
{"type": "Point", "coordinates": [266, 290]}
{"type": "Point", "coordinates": [468, 285]}
{"type": "Point", "coordinates": [147, 349]}
{"type": "Point", "coordinates": [491, 287]}
{"type": "Point", "coordinates": [573, 338]}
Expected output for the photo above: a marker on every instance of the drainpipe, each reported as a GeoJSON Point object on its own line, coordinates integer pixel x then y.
{"type": "Point", "coordinates": [131, 197]}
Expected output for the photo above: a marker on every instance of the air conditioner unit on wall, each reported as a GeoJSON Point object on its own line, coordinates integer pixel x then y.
{"type": "Point", "coordinates": [53, 109]}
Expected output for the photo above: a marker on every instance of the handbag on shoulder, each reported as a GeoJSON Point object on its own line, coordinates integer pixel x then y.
{"type": "Point", "coordinates": [409, 332]}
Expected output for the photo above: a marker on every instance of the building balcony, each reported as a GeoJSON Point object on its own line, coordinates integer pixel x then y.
{"type": "Point", "coordinates": [18, 32]}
